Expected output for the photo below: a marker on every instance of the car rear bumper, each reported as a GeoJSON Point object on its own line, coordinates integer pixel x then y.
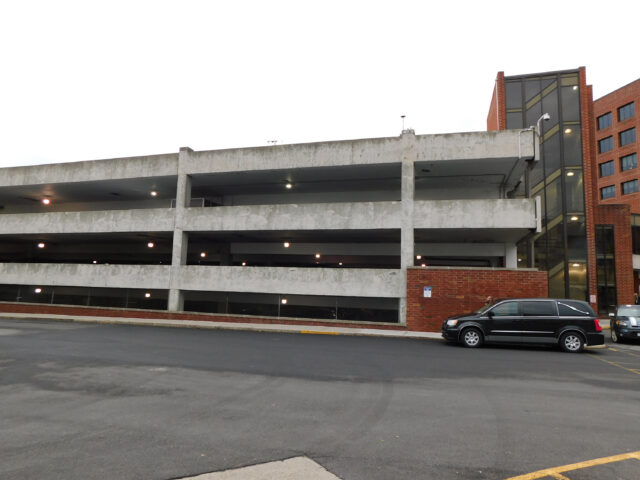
{"type": "Point", "coordinates": [595, 339]}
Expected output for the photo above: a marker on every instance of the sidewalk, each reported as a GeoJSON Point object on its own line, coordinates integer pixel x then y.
{"type": "Point", "coordinates": [255, 327]}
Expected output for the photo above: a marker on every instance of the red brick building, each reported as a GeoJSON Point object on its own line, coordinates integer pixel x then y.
{"type": "Point", "coordinates": [588, 157]}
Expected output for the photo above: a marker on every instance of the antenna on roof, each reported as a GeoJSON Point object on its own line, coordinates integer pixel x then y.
{"type": "Point", "coordinates": [272, 142]}
{"type": "Point", "coordinates": [402, 117]}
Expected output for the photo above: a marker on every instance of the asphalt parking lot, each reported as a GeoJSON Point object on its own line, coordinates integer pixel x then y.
{"type": "Point", "coordinates": [126, 402]}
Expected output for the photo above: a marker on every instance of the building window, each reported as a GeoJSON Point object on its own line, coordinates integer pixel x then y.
{"type": "Point", "coordinates": [626, 111]}
{"type": "Point", "coordinates": [607, 168]}
{"type": "Point", "coordinates": [628, 162]}
{"type": "Point", "coordinates": [604, 121]}
{"type": "Point", "coordinates": [630, 187]}
{"type": "Point", "coordinates": [627, 136]}
{"type": "Point", "coordinates": [605, 145]}
{"type": "Point", "coordinates": [608, 192]}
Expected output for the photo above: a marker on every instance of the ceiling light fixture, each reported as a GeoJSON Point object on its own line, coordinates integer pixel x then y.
{"type": "Point", "coordinates": [284, 301]}
{"type": "Point", "coordinates": [576, 265]}
{"type": "Point", "coordinates": [575, 87]}
{"type": "Point", "coordinates": [317, 255]}
{"type": "Point", "coordinates": [151, 244]}
{"type": "Point", "coordinates": [95, 261]}
{"type": "Point", "coordinates": [424, 265]}
{"type": "Point", "coordinates": [46, 201]}
{"type": "Point", "coordinates": [567, 130]}
{"type": "Point", "coordinates": [289, 185]}
{"type": "Point", "coordinates": [244, 264]}
{"type": "Point", "coordinates": [147, 295]}
{"type": "Point", "coordinates": [570, 174]}
{"type": "Point", "coordinates": [41, 245]}
{"type": "Point", "coordinates": [574, 218]}
{"type": "Point", "coordinates": [154, 193]}
{"type": "Point", "coordinates": [418, 257]}
{"type": "Point", "coordinates": [286, 244]}
{"type": "Point", "coordinates": [340, 263]}
{"type": "Point", "coordinates": [203, 254]}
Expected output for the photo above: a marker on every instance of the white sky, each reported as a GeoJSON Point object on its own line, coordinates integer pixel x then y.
{"type": "Point", "coordinates": [83, 80]}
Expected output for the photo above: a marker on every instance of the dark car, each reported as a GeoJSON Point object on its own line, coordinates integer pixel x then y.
{"type": "Point", "coordinates": [571, 324]}
{"type": "Point", "coordinates": [625, 323]}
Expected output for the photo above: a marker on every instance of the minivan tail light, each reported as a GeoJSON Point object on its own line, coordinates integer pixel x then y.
{"type": "Point", "coordinates": [598, 327]}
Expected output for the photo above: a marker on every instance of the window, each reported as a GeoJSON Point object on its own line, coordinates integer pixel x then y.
{"type": "Point", "coordinates": [627, 136]}
{"type": "Point", "coordinates": [630, 187]}
{"type": "Point", "coordinates": [567, 308]}
{"type": "Point", "coordinates": [605, 144]}
{"type": "Point", "coordinates": [628, 162]}
{"type": "Point", "coordinates": [538, 309]}
{"type": "Point", "coordinates": [505, 309]}
{"type": "Point", "coordinates": [626, 111]}
{"type": "Point", "coordinates": [604, 121]}
{"type": "Point", "coordinates": [607, 168]}
{"type": "Point", "coordinates": [608, 192]}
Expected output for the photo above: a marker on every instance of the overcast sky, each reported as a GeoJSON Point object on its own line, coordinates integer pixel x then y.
{"type": "Point", "coordinates": [84, 80]}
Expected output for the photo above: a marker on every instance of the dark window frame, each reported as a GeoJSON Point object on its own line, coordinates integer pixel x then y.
{"type": "Point", "coordinates": [625, 185]}
{"type": "Point", "coordinates": [627, 136]}
{"type": "Point", "coordinates": [601, 143]}
{"type": "Point", "coordinates": [631, 156]}
{"type": "Point", "coordinates": [628, 110]}
{"type": "Point", "coordinates": [608, 188]}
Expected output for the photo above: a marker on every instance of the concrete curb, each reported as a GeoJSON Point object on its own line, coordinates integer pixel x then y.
{"type": "Point", "coordinates": [203, 324]}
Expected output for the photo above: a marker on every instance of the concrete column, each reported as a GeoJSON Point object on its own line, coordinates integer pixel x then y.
{"type": "Point", "coordinates": [406, 233]}
{"type": "Point", "coordinates": [510, 255]}
{"type": "Point", "coordinates": [180, 238]}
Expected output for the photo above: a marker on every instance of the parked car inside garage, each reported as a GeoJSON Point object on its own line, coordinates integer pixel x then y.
{"type": "Point", "coordinates": [625, 323]}
{"type": "Point", "coordinates": [570, 324]}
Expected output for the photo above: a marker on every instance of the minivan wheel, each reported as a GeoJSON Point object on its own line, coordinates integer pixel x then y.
{"type": "Point", "coordinates": [571, 342]}
{"type": "Point", "coordinates": [472, 337]}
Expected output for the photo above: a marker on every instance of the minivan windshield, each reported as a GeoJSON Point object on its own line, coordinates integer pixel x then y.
{"type": "Point", "coordinates": [629, 311]}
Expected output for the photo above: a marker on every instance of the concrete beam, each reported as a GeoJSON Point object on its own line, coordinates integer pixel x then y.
{"type": "Point", "coordinates": [106, 221]}
{"type": "Point", "coordinates": [294, 281]}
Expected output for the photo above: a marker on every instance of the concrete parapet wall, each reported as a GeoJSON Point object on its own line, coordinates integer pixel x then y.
{"type": "Point", "coordinates": [94, 170]}
{"type": "Point", "coordinates": [495, 213]}
{"type": "Point", "coordinates": [106, 221]}
{"type": "Point", "coordinates": [323, 216]}
{"type": "Point", "coordinates": [81, 275]}
{"type": "Point", "coordinates": [294, 281]}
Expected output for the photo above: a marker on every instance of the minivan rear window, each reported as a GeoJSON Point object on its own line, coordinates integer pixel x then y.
{"type": "Point", "coordinates": [567, 308]}
{"type": "Point", "coordinates": [540, 308]}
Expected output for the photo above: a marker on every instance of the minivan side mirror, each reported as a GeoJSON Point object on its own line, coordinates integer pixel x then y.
{"type": "Point", "coordinates": [490, 314]}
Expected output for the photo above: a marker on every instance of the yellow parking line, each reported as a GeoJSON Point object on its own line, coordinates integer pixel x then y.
{"type": "Point", "coordinates": [556, 471]}
{"type": "Point", "coordinates": [616, 364]}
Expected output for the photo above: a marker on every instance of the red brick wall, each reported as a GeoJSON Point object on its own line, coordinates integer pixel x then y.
{"type": "Point", "coordinates": [497, 117]}
{"type": "Point", "coordinates": [36, 309]}
{"type": "Point", "coordinates": [460, 290]}
{"type": "Point", "coordinates": [610, 103]}
{"type": "Point", "coordinates": [620, 217]}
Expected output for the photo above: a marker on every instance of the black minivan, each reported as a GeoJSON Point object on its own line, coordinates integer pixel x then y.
{"type": "Point", "coordinates": [571, 324]}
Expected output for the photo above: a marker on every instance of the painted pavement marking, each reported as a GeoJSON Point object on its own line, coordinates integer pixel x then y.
{"type": "Point", "coordinates": [556, 472]}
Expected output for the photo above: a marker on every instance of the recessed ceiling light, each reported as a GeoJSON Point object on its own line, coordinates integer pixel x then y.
{"type": "Point", "coordinates": [244, 264]}
{"type": "Point", "coordinates": [289, 185]}
{"type": "Point", "coordinates": [203, 254]}
{"type": "Point", "coordinates": [519, 259]}
{"type": "Point", "coordinates": [154, 193]}
{"type": "Point", "coordinates": [567, 130]}
{"type": "Point", "coordinates": [46, 201]}
{"type": "Point", "coordinates": [41, 245]}
{"type": "Point", "coordinates": [418, 257]}
{"type": "Point", "coordinates": [570, 174]}
{"type": "Point", "coordinates": [151, 245]}
{"type": "Point", "coordinates": [574, 218]}
{"type": "Point", "coordinates": [95, 261]}
{"type": "Point", "coordinates": [38, 290]}
{"type": "Point", "coordinates": [575, 87]}
{"type": "Point", "coordinates": [284, 301]}
{"type": "Point", "coordinates": [286, 244]}
{"type": "Point", "coordinates": [424, 265]}
{"type": "Point", "coordinates": [147, 295]}
{"type": "Point", "coordinates": [576, 264]}
{"type": "Point", "coordinates": [317, 255]}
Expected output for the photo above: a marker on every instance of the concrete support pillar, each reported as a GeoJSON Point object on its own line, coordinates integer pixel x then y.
{"type": "Point", "coordinates": [180, 238]}
{"type": "Point", "coordinates": [510, 255]}
{"type": "Point", "coordinates": [406, 234]}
